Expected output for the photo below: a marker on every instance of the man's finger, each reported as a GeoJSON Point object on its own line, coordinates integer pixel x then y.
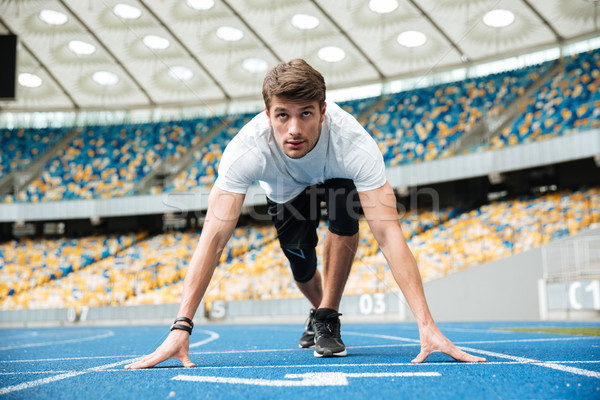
{"type": "Point", "coordinates": [421, 357]}
{"type": "Point", "coordinates": [187, 362]}
{"type": "Point", "coordinates": [146, 362]}
{"type": "Point", "coordinates": [460, 355]}
{"type": "Point", "coordinates": [469, 357]}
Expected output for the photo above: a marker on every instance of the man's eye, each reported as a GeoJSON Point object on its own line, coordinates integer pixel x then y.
{"type": "Point", "coordinates": [281, 115]}
{"type": "Point", "coordinates": [307, 113]}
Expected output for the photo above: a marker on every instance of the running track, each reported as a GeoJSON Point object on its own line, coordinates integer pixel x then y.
{"type": "Point", "coordinates": [262, 361]}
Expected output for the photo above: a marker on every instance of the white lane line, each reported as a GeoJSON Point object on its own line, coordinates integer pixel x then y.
{"type": "Point", "coordinates": [375, 335]}
{"type": "Point", "coordinates": [313, 366]}
{"type": "Point", "coordinates": [296, 349]}
{"type": "Point", "coordinates": [557, 339]}
{"type": "Point", "coordinates": [67, 375]}
{"type": "Point", "coordinates": [475, 330]}
{"type": "Point", "coordinates": [307, 379]}
{"type": "Point", "coordinates": [66, 359]}
{"type": "Point", "coordinates": [559, 367]}
{"type": "Point", "coordinates": [85, 339]}
{"type": "Point", "coordinates": [211, 336]}
{"type": "Point", "coordinates": [59, 377]}
{"type": "Point", "coordinates": [530, 340]}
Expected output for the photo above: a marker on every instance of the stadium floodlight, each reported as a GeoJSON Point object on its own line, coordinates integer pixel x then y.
{"type": "Point", "coordinates": [255, 65]}
{"type": "Point", "coordinates": [81, 48]}
{"type": "Point", "coordinates": [53, 17]}
{"type": "Point", "coordinates": [105, 78]}
{"type": "Point", "coordinates": [180, 73]}
{"type": "Point", "coordinates": [331, 54]}
{"type": "Point", "coordinates": [201, 5]}
{"type": "Point", "coordinates": [499, 18]}
{"type": "Point", "coordinates": [305, 22]}
{"type": "Point", "coordinates": [29, 80]}
{"type": "Point", "coordinates": [126, 11]}
{"type": "Point", "coordinates": [383, 6]}
{"type": "Point", "coordinates": [411, 39]}
{"type": "Point", "coordinates": [156, 42]}
{"type": "Point", "coordinates": [229, 34]}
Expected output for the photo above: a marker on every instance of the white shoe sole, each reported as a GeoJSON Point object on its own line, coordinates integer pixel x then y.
{"type": "Point", "coordinates": [340, 354]}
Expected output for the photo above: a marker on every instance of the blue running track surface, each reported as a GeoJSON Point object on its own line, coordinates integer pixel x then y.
{"type": "Point", "coordinates": [263, 361]}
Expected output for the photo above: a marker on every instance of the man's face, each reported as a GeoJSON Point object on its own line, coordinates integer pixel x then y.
{"type": "Point", "coordinates": [296, 124]}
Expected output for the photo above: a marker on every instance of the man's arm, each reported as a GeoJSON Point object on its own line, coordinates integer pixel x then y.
{"type": "Point", "coordinates": [379, 206]}
{"type": "Point", "coordinates": [221, 218]}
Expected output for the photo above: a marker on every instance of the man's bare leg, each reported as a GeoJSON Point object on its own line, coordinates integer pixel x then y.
{"type": "Point", "coordinates": [338, 256]}
{"type": "Point", "coordinates": [313, 289]}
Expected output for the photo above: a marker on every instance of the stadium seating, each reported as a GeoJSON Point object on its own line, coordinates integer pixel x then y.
{"type": "Point", "coordinates": [108, 161]}
{"type": "Point", "coordinates": [413, 126]}
{"type": "Point", "coordinates": [420, 125]}
{"type": "Point", "coordinates": [203, 171]}
{"type": "Point", "coordinates": [20, 147]}
{"type": "Point", "coordinates": [569, 102]}
{"type": "Point", "coordinates": [113, 270]}
{"type": "Point", "coordinates": [28, 265]}
{"type": "Point", "coordinates": [118, 270]}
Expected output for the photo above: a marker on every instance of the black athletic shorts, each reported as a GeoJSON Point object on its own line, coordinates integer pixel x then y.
{"type": "Point", "coordinates": [297, 220]}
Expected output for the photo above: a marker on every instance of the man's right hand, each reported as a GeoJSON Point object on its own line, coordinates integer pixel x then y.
{"type": "Point", "coordinates": [176, 345]}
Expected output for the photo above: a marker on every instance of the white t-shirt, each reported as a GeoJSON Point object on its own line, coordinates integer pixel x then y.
{"type": "Point", "coordinates": [344, 150]}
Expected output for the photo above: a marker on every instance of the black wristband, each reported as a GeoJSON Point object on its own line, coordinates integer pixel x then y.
{"type": "Point", "coordinates": [182, 327]}
{"type": "Point", "coordinates": [184, 319]}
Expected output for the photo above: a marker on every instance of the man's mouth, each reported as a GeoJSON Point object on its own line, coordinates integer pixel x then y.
{"type": "Point", "coordinates": [294, 144]}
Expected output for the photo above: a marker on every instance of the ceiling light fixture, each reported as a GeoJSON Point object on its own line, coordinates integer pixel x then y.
{"type": "Point", "coordinates": [81, 48]}
{"type": "Point", "coordinates": [53, 17]}
{"type": "Point", "coordinates": [200, 4]}
{"type": "Point", "coordinates": [126, 11]}
{"type": "Point", "coordinates": [29, 80]}
{"type": "Point", "coordinates": [156, 42]}
{"type": "Point", "coordinates": [304, 21]}
{"type": "Point", "coordinates": [383, 6]}
{"type": "Point", "coordinates": [180, 73]}
{"type": "Point", "coordinates": [411, 39]}
{"type": "Point", "coordinates": [229, 34]}
{"type": "Point", "coordinates": [254, 65]}
{"type": "Point", "coordinates": [499, 18]}
{"type": "Point", "coordinates": [331, 54]}
{"type": "Point", "coordinates": [105, 78]}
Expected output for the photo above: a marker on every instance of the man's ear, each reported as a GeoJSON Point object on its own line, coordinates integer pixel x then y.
{"type": "Point", "coordinates": [323, 112]}
{"type": "Point", "coordinates": [268, 116]}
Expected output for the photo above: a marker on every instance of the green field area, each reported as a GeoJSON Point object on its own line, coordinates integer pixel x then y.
{"type": "Point", "coordinates": [589, 331]}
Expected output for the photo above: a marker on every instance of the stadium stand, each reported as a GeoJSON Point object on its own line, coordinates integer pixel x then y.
{"type": "Point", "coordinates": [108, 161]}
{"type": "Point", "coordinates": [113, 270]}
{"type": "Point", "coordinates": [30, 265]}
{"type": "Point", "coordinates": [203, 171]}
{"type": "Point", "coordinates": [21, 146]}
{"type": "Point", "coordinates": [135, 269]}
{"type": "Point", "coordinates": [420, 125]}
{"type": "Point", "coordinates": [569, 102]}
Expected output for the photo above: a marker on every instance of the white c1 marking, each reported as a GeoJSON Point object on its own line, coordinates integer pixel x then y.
{"type": "Point", "coordinates": [307, 379]}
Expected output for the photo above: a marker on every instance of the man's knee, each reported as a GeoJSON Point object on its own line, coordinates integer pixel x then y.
{"type": "Point", "coordinates": [303, 263]}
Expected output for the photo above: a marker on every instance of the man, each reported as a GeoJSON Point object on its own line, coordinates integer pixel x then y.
{"type": "Point", "coordinates": [303, 151]}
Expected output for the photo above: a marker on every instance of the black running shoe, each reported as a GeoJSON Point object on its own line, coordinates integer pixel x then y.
{"type": "Point", "coordinates": [328, 340]}
{"type": "Point", "coordinates": [308, 336]}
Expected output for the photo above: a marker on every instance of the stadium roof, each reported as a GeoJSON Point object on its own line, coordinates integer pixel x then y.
{"type": "Point", "coordinates": [122, 54]}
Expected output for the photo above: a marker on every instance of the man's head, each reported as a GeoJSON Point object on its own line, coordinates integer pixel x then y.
{"type": "Point", "coordinates": [294, 80]}
{"type": "Point", "coordinates": [294, 95]}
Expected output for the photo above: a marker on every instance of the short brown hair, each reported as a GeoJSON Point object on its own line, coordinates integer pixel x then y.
{"type": "Point", "coordinates": [294, 80]}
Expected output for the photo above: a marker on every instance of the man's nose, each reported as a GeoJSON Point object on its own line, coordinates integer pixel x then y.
{"type": "Point", "coordinates": [294, 127]}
